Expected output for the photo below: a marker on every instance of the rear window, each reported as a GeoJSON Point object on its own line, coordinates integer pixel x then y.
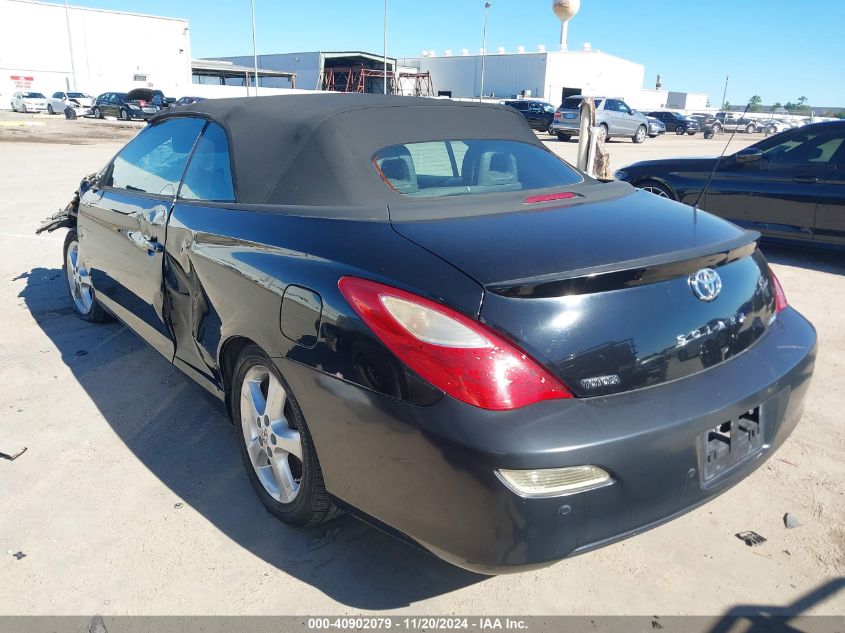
{"type": "Point", "coordinates": [573, 103]}
{"type": "Point", "coordinates": [463, 167]}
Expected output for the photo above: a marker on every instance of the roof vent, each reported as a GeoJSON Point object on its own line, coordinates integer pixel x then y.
{"type": "Point", "coordinates": [588, 46]}
{"type": "Point", "coordinates": [482, 51]}
{"type": "Point", "coordinates": [500, 50]}
{"type": "Point", "coordinates": [464, 52]}
{"type": "Point", "coordinates": [541, 48]}
{"type": "Point", "coordinates": [520, 49]}
{"type": "Point", "coordinates": [447, 52]}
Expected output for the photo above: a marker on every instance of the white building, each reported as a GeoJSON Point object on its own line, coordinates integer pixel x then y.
{"type": "Point", "coordinates": [46, 48]}
{"type": "Point", "coordinates": [550, 75]}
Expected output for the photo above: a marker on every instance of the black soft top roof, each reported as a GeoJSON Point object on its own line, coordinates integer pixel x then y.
{"type": "Point", "coordinates": [316, 149]}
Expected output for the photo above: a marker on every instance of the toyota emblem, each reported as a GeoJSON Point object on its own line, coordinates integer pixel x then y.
{"type": "Point", "coordinates": [706, 284]}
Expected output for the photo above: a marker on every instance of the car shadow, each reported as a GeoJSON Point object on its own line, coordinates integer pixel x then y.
{"type": "Point", "coordinates": [183, 436]}
{"type": "Point", "coordinates": [753, 618]}
{"type": "Point", "coordinates": [821, 260]}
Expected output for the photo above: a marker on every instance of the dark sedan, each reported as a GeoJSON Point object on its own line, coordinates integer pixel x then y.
{"type": "Point", "coordinates": [118, 104]}
{"type": "Point", "coordinates": [675, 122]}
{"type": "Point", "coordinates": [539, 114]}
{"type": "Point", "coordinates": [414, 311]}
{"type": "Point", "coordinates": [790, 186]}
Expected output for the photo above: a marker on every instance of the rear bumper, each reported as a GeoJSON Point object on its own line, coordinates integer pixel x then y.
{"type": "Point", "coordinates": [428, 472]}
{"type": "Point", "coordinates": [566, 126]}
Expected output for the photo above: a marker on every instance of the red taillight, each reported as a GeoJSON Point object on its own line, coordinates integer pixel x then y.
{"type": "Point", "coordinates": [557, 116]}
{"type": "Point", "coordinates": [780, 296]}
{"type": "Point", "coordinates": [454, 353]}
{"type": "Point", "coordinates": [550, 197]}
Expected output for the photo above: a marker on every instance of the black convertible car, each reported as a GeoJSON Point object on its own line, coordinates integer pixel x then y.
{"type": "Point", "coordinates": [414, 311]}
{"type": "Point", "coordinates": [790, 186]}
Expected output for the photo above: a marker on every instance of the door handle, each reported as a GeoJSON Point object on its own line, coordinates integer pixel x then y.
{"type": "Point", "coordinates": [808, 180]}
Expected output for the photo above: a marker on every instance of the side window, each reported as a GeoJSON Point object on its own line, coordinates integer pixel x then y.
{"type": "Point", "coordinates": [154, 160]}
{"type": "Point", "coordinates": [623, 107]}
{"type": "Point", "coordinates": [209, 174]}
{"type": "Point", "coordinates": [805, 148]}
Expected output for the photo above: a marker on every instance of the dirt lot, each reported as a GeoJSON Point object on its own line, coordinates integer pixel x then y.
{"type": "Point", "coordinates": [131, 499]}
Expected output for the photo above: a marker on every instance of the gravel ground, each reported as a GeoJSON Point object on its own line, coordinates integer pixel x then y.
{"type": "Point", "coordinates": [131, 499]}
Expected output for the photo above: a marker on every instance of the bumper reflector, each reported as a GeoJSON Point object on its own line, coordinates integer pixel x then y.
{"type": "Point", "coordinates": [554, 482]}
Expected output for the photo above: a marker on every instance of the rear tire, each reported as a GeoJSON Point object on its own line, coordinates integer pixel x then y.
{"type": "Point", "coordinates": [98, 114]}
{"type": "Point", "coordinates": [680, 130]}
{"type": "Point", "coordinates": [50, 109]}
{"type": "Point", "coordinates": [605, 131]}
{"type": "Point", "coordinates": [750, 128]}
{"type": "Point", "coordinates": [657, 188]}
{"type": "Point", "coordinates": [639, 137]}
{"type": "Point", "coordinates": [563, 137]}
{"type": "Point", "coordinates": [124, 115]}
{"type": "Point", "coordinates": [78, 283]}
{"type": "Point", "coordinates": [269, 422]}
{"type": "Point", "coordinates": [549, 129]}
{"type": "Point", "coordinates": [717, 128]}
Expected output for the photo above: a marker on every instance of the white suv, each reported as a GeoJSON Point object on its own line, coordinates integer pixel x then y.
{"type": "Point", "coordinates": [613, 115]}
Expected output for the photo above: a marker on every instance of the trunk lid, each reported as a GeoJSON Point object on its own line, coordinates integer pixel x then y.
{"type": "Point", "coordinates": [600, 292]}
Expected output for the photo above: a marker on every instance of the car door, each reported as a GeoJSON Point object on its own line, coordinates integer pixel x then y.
{"type": "Point", "coordinates": [830, 213]}
{"type": "Point", "coordinates": [122, 226]}
{"type": "Point", "coordinates": [534, 114]}
{"type": "Point", "coordinates": [612, 117]}
{"type": "Point", "coordinates": [103, 103]}
{"type": "Point", "coordinates": [778, 193]}
{"type": "Point", "coordinates": [627, 119]}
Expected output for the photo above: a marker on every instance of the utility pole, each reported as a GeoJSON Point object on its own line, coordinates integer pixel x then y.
{"type": "Point", "coordinates": [725, 93]}
{"type": "Point", "coordinates": [254, 49]}
{"type": "Point", "coordinates": [70, 46]}
{"type": "Point", "coordinates": [385, 46]}
{"type": "Point", "coordinates": [487, 5]}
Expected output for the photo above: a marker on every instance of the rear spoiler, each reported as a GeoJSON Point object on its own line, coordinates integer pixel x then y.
{"type": "Point", "coordinates": [635, 272]}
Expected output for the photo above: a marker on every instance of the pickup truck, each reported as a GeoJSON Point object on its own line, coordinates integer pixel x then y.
{"type": "Point", "coordinates": [731, 122]}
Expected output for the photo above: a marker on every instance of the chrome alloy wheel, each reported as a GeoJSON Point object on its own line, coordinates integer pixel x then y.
{"type": "Point", "coordinates": [657, 191]}
{"type": "Point", "coordinates": [273, 446]}
{"type": "Point", "coordinates": [78, 279]}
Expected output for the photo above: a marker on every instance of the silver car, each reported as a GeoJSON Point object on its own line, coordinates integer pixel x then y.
{"type": "Point", "coordinates": [612, 114]}
{"type": "Point", "coordinates": [29, 102]}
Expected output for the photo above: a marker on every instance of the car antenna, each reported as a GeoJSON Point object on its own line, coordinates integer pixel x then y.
{"type": "Point", "coordinates": [716, 166]}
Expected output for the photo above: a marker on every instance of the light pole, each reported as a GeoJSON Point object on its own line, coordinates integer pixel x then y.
{"type": "Point", "coordinates": [487, 5]}
{"type": "Point", "coordinates": [70, 46]}
{"type": "Point", "coordinates": [725, 92]}
{"type": "Point", "coordinates": [385, 46]}
{"type": "Point", "coordinates": [254, 49]}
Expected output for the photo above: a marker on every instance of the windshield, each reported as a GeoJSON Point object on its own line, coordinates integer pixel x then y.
{"type": "Point", "coordinates": [77, 95]}
{"type": "Point", "coordinates": [33, 95]}
{"type": "Point", "coordinates": [463, 167]}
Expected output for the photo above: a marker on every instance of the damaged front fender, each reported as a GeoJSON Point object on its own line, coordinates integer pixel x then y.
{"type": "Point", "coordinates": [67, 216]}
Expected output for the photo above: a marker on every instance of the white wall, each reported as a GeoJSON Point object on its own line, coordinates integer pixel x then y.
{"type": "Point", "coordinates": [504, 75]}
{"type": "Point", "coordinates": [595, 73]}
{"type": "Point", "coordinates": [647, 100]}
{"type": "Point", "coordinates": [109, 48]}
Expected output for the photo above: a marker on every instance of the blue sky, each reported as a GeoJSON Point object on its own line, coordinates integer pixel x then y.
{"type": "Point", "coordinates": [777, 49]}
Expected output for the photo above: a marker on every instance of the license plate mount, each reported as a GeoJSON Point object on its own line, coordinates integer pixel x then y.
{"type": "Point", "coordinates": [730, 443]}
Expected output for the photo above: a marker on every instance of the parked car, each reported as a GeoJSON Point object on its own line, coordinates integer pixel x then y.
{"type": "Point", "coordinates": [393, 334]}
{"type": "Point", "coordinates": [79, 101]}
{"type": "Point", "coordinates": [538, 113]}
{"type": "Point", "coordinates": [676, 122]}
{"type": "Point", "coordinates": [773, 126]}
{"type": "Point", "coordinates": [613, 115]}
{"type": "Point", "coordinates": [655, 127]}
{"type": "Point", "coordinates": [29, 102]}
{"type": "Point", "coordinates": [188, 100]}
{"type": "Point", "coordinates": [731, 122]}
{"type": "Point", "coordinates": [118, 104]}
{"type": "Point", "coordinates": [790, 186]}
{"type": "Point", "coordinates": [146, 97]}
{"type": "Point", "coordinates": [707, 122]}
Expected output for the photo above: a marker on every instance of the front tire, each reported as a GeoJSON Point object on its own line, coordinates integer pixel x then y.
{"type": "Point", "coordinates": [50, 109]}
{"type": "Point", "coordinates": [639, 137]}
{"type": "Point", "coordinates": [680, 130]}
{"type": "Point", "coordinates": [98, 114]}
{"type": "Point", "coordinates": [657, 188]}
{"type": "Point", "coordinates": [275, 445]}
{"type": "Point", "coordinates": [78, 283]}
{"type": "Point", "coordinates": [549, 129]}
{"type": "Point", "coordinates": [124, 115]}
{"type": "Point", "coordinates": [750, 128]}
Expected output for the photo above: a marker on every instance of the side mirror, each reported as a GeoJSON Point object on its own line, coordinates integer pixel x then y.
{"type": "Point", "coordinates": [748, 155]}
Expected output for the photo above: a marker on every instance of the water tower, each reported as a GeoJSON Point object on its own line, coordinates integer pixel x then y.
{"type": "Point", "coordinates": [565, 10]}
